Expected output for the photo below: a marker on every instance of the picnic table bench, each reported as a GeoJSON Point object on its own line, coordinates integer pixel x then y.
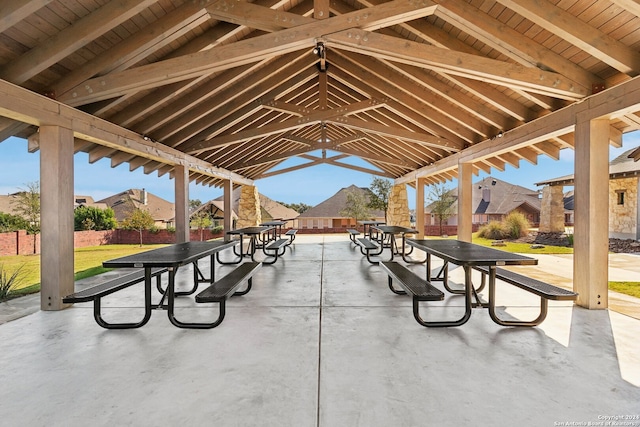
{"type": "Point", "coordinates": [544, 290]}
{"type": "Point", "coordinates": [225, 288]}
{"type": "Point", "coordinates": [366, 248]}
{"type": "Point", "coordinates": [353, 233]}
{"type": "Point", "coordinates": [292, 235]}
{"type": "Point", "coordinates": [96, 293]}
{"type": "Point", "coordinates": [273, 250]}
{"type": "Point", "coordinates": [419, 288]}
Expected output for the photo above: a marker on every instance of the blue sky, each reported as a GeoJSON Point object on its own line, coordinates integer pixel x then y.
{"type": "Point", "coordinates": [310, 185]}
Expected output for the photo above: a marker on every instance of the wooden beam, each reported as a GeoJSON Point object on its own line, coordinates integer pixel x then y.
{"type": "Point", "coordinates": [631, 6]}
{"type": "Point", "coordinates": [321, 9]}
{"type": "Point", "coordinates": [242, 52]}
{"type": "Point", "coordinates": [579, 33]}
{"type": "Point", "coordinates": [13, 11]}
{"type": "Point", "coordinates": [621, 99]}
{"type": "Point", "coordinates": [23, 105]}
{"type": "Point", "coordinates": [67, 41]}
{"type": "Point", "coordinates": [423, 139]}
{"type": "Point", "coordinates": [510, 42]}
{"type": "Point", "coordinates": [286, 125]}
{"type": "Point", "coordinates": [126, 53]}
{"type": "Point", "coordinates": [457, 63]}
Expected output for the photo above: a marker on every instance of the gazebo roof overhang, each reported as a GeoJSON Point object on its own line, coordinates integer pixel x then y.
{"type": "Point", "coordinates": [232, 89]}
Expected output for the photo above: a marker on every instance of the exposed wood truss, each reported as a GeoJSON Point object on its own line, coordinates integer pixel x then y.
{"type": "Point", "coordinates": [235, 88]}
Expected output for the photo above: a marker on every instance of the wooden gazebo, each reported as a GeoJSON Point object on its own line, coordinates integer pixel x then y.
{"type": "Point", "coordinates": [221, 92]}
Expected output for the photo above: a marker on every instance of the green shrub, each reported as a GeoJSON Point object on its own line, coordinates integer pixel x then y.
{"type": "Point", "coordinates": [8, 282]}
{"type": "Point", "coordinates": [516, 225]}
{"type": "Point", "coordinates": [10, 222]}
{"type": "Point", "coordinates": [92, 218]}
{"type": "Point", "coordinates": [493, 230]}
{"type": "Point", "coordinates": [570, 239]}
{"type": "Point", "coordinates": [217, 229]}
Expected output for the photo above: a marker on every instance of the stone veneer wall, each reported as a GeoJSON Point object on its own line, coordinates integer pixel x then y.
{"type": "Point", "coordinates": [249, 214]}
{"type": "Point", "coordinates": [552, 209]}
{"type": "Point", "coordinates": [623, 219]}
{"type": "Point", "coordinates": [398, 210]}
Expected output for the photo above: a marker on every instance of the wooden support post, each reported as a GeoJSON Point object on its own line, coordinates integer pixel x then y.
{"type": "Point", "coordinates": [420, 184]}
{"type": "Point", "coordinates": [465, 208]}
{"type": "Point", "coordinates": [228, 207]}
{"type": "Point", "coordinates": [591, 231]}
{"type": "Point", "coordinates": [182, 203]}
{"type": "Point", "coordinates": [56, 216]}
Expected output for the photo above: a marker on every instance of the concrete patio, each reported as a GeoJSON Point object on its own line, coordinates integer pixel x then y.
{"type": "Point", "coordinates": [321, 341]}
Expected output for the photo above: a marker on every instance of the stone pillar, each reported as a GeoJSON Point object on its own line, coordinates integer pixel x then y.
{"type": "Point", "coordinates": [591, 231]}
{"type": "Point", "coordinates": [249, 214]}
{"type": "Point", "coordinates": [182, 204]}
{"type": "Point", "coordinates": [552, 209]}
{"type": "Point", "coordinates": [465, 202]}
{"type": "Point", "coordinates": [56, 216]}
{"type": "Point", "coordinates": [398, 209]}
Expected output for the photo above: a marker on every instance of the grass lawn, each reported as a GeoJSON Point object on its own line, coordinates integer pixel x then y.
{"type": "Point", "coordinates": [87, 263]}
{"type": "Point", "coordinates": [523, 248]}
{"type": "Point", "coordinates": [627, 288]}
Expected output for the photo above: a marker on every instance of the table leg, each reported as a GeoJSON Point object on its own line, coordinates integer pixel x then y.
{"type": "Point", "coordinates": [97, 310]}
{"type": "Point", "coordinates": [253, 246]}
{"type": "Point", "coordinates": [404, 254]}
{"type": "Point", "coordinates": [241, 255]}
{"type": "Point", "coordinates": [467, 306]}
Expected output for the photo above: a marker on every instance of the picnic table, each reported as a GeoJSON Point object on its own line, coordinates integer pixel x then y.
{"type": "Point", "coordinates": [277, 228]}
{"type": "Point", "coordinates": [171, 257]}
{"type": "Point", "coordinates": [389, 233]}
{"type": "Point", "coordinates": [255, 241]}
{"type": "Point", "coordinates": [467, 255]}
{"type": "Point", "coordinates": [368, 225]}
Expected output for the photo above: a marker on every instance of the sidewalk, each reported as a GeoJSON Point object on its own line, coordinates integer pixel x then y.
{"type": "Point", "coordinates": [558, 269]}
{"type": "Point", "coordinates": [321, 341]}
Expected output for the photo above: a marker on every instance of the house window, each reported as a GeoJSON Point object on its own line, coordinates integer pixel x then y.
{"type": "Point", "coordinates": [620, 197]}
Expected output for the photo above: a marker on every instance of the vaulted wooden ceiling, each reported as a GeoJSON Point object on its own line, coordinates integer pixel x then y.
{"type": "Point", "coordinates": [245, 86]}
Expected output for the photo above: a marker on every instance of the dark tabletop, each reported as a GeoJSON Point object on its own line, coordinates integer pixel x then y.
{"type": "Point", "coordinates": [465, 253]}
{"type": "Point", "coordinates": [395, 229]}
{"type": "Point", "coordinates": [170, 256]}
{"type": "Point", "coordinates": [274, 223]}
{"type": "Point", "coordinates": [370, 222]}
{"type": "Point", "coordinates": [250, 230]}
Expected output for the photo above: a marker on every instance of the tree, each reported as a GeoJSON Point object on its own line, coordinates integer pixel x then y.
{"type": "Point", "coordinates": [380, 191]}
{"type": "Point", "coordinates": [139, 220]}
{"type": "Point", "coordinates": [201, 221]}
{"type": "Point", "coordinates": [27, 205]}
{"type": "Point", "coordinates": [298, 207]}
{"type": "Point", "coordinates": [10, 222]}
{"type": "Point", "coordinates": [356, 205]}
{"type": "Point", "coordinates": [194, 204]}
{"type": "Point", "coordinates": [442, 203]}
{"type": "Point", "coordinates": [92, 218]}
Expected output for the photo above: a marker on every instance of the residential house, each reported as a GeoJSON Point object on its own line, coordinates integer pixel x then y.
{"type": "Point", "coordinates": [624, 187]}
{"type": "Point", "coordinates": [7, 203]}
{"type": "Point", "coordinates": [162, 211]}
{"type": "Point", "coordinates": [87, 201]}
{"type": "Point", "coordinates": [270, 209]}
{"type": "Point", "coordinates": [493, 200]}
{"type": "Point", "coordinates": [327, 214]}
{"type": "Point", "coordinates": [214, 209]}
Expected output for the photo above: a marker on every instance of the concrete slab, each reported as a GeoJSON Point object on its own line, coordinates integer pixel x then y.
{"type": "Point", "coordinates": [320, 341]}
